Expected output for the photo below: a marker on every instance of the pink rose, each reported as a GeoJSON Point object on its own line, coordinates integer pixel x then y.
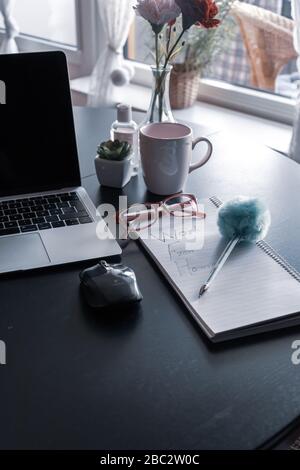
{"type": "Point", "coordinates": [158, 12]}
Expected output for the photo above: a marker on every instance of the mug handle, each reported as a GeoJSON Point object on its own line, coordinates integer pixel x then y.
{"type": "Point", "coordinates": [205, 159]}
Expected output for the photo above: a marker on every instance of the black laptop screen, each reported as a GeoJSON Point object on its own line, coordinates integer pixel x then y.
{"type": "Point", "coordinates": [37, 140]}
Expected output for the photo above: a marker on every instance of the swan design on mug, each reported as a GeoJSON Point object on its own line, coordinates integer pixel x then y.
{"type": "Point", "coordinates": [166, 160]}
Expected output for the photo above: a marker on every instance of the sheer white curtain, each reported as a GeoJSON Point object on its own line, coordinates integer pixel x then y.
{"type": "Point", "coordinates": [110, 71]}
{"type": "Point", "coordinates": [295, 145]}
{"type": "Point", "coordinates": [9, 45]}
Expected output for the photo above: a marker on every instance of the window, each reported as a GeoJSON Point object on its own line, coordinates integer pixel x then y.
{"type": "Point", "coordinates": [53, 20]}
{"type": "Point", "coordinates": [258, 66]}
{"type": "Point", "coordinates": [272, 38]}
{"type": "Point", "coordinates": [68, 25]}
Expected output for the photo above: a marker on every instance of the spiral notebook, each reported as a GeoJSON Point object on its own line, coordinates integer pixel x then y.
{"type": "Point", "coordinates": [256, 291]}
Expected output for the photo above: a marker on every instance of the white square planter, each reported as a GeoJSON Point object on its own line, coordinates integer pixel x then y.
{"type": "Point", "coordinates": [115, 174]}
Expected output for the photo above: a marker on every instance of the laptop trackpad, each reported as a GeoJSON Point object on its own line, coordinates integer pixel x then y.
{"type": "Point", "coordinates": [22, 252]}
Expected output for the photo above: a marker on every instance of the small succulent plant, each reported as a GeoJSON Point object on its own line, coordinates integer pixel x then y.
{"type": "Point", "coordinates": [114, 150]}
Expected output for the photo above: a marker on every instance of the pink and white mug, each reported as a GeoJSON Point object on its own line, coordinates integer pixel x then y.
{"type": "Point", "coordinates": [166, 154]}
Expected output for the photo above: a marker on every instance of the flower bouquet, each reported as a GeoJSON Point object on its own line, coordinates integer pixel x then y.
{"type": "Point", "coordinates": [170, 21]}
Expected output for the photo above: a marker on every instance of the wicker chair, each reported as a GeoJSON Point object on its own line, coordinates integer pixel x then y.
{"type": "Point", "coordinates": [268, 39]}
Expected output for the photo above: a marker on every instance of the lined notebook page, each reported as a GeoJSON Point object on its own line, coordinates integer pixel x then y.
{"type": "Point", "coordinates": [251, 288]}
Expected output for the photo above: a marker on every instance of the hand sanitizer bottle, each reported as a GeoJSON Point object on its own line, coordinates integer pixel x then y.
{"type": "Point", "coordinates": [126, 130]}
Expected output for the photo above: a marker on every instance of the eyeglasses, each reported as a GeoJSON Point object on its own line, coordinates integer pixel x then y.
{"type": "Point", "coordinates": [142, 216]}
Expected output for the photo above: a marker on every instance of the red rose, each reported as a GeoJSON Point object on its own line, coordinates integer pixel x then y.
{"type": "Point", "coordinates": [199, 12]}
{"type": "Point", "coordinates": [210, 21]}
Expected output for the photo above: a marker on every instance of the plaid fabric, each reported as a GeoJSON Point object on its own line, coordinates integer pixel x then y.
{"type": "Point", "coordinates": [232, 66]}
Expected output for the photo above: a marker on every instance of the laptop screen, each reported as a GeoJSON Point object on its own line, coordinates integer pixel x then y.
{"type": "Point", "coordinates": [37, 139]}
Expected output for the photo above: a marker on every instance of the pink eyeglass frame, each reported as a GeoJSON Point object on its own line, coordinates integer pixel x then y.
{"type": "Point", "coordinates": [162, 205]}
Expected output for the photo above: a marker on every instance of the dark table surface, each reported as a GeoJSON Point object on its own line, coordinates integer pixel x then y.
{"type": "Point", "coordinates": [148, 378]}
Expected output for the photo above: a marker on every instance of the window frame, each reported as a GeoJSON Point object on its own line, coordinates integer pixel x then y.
{"type": "Point", "coordinates": [248, 100]}
{"type": "Point", "coordinates": [82, 59]}
{"type": "Point", "coordinates": [256, 102]}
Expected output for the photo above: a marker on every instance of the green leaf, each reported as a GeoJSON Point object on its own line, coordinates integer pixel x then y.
{"type": "Point", "coordinates": [114, 150]}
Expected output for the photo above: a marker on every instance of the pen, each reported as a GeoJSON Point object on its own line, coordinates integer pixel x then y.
{"type": "Point", "coordinates": [219, 264]}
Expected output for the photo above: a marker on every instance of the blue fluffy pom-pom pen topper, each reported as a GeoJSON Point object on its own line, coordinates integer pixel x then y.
{"type": "Point", "coordinates": [240, 219]}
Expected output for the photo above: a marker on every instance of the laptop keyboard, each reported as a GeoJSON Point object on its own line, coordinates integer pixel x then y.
{"type": "Point", "coordinates": [42, 213]}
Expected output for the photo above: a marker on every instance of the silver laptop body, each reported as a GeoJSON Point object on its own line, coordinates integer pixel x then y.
{"type": "Point", "coordinates": [44, 222]}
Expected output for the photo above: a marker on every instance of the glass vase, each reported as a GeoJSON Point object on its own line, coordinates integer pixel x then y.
{"type": "Point", "coordinates": [160, 108]}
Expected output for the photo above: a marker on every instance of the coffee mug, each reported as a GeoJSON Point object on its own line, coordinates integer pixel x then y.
{"type": "Point", "coordinates": [166, 155]}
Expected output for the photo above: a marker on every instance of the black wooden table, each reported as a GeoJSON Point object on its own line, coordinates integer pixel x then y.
{"type": "Point", "coordinates": [148, 379]}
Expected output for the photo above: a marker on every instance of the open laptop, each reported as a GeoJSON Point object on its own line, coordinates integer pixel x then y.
{"type": "Point", "coordinates": [46, 217]}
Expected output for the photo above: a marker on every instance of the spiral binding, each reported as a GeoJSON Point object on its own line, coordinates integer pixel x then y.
{"type": "Point", "coordinates": [279, 259]}
{"type": "Point", "coordinates": [263, 245]}
{"type": "Point", "coordinates": [216, 201]}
